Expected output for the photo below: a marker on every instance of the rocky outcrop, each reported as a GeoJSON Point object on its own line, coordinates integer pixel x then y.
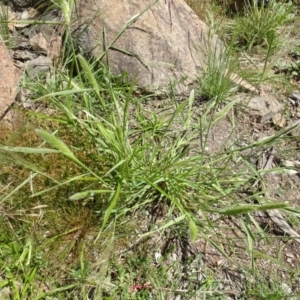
{"type": "Point", "coordinates": [168, 42]}
{"type": "Point", "coordinates": [40, 44]}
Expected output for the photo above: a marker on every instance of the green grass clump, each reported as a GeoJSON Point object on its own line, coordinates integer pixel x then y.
{"type": "Point", "coordinates": [105, 196]}
{"type": "Point", "coordinates": [128, 160]}
{"type": "Point", "coordinates": [260, 26]}
{"type": "Point", "coordinates": [215, 83]}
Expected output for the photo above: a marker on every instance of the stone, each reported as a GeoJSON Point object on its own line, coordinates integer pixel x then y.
{"type": "Point", "coordinates": [55, 46]}
{"type": "Point", "coordinates": [24, 55]}
{"type": "Point", "coordinates": [26, 15]}
{"type": "Point", "coordinates": [46, 39]}
{"type": "Point", "coordinates": [36, 40]}
{"type": "Point", "coordinates": [39, 43]}
{"type": "Point", "coordinates": [5, 292]}
{"type": "Point", "coordinates": [168, 42]}
{"type": "Point", "coordinates": [37, 66]}
{"type": "Point", "coordinates": [23, 43]}
{"type": "Point", "coordinates": [10, 77]}
{"type": "Point", "coordinates": [264, 108]}
{"type": "Point", "coordinates": [295, 97]}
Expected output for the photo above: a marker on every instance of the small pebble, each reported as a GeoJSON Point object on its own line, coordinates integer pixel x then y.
{"type": "Point", "coordinates": [295, 96]}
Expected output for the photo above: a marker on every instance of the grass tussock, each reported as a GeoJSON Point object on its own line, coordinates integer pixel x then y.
{"type": "Point", "coordinates": [105, 196]}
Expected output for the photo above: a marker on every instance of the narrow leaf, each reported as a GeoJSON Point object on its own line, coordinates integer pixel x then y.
{"type": "Point", "coordinates": [89, 73]}
{"type": "Point", "coordinates": [111, 206]}
{"type": "Point", "coordinates": [193, 230]}
{"type": "Point", "coordinates": [56, 143]}
{"type": "Point", "coordinates": [29, 150]}
{"type": "Point", "coordinates": [268, 206]}
{"type": "Point", "coordinates": [167, 225]}
{"type": "Point", "coordinates": [250, 238]}
{"type": "Point", "coordinates": [64, 93]}
{"type": "Point", "coordinates": [243, 209]}
{"type": "Point", "coordinates": [91, 193]}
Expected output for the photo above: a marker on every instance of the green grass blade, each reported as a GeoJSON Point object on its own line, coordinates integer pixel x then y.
{"type": "Point", "coordinates": [250, 239]}
{"type": "Point", "coordinates": [29, 150]}
{"type": "Point", "coordinates": [91, 193]}
{"type": "Point", "coordinates": [63, 148]}
{"type": "Point", "coordinates": [167, 225]}
{"type": "Point", "coordinates": [82, 177]}
{"type": "Point", "coordinates": [243, 209]}
{"type": "Point", "coordinates": [92, 80]}
{"type": "Point", "coordinates": [56, 143]}
{"type": "Point", "coordinates": [111, 206]}
{"type": "Point", "coordinates": [193, 230]}
{"type": "Point", "coordinates": [65, 93]}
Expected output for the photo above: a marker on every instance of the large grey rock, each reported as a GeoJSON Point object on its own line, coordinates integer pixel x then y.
{"type": "Point", "coordinates": [9, 80]}
{"type": "Point", "coordinates": [168, 42]}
